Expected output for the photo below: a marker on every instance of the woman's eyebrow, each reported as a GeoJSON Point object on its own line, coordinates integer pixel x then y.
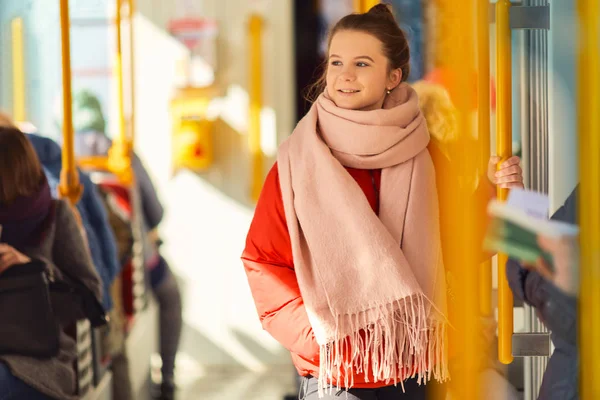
{"type": "Point", "coordinates": [356, 58]}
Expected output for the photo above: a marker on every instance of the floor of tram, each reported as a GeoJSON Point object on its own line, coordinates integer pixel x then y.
{"type": "Point", "coordinates": [273, 385]}
{"type": "Point", "coordinates": [234, 384]}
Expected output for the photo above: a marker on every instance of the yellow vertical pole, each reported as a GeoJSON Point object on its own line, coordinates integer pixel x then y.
{"type": "Point", "coordinates": [363, 6]}
{"type": "Point", "coordinates": [589, 213]}
{"type": "Point", "coordinates": [69, 187]}
{"type": "Point", "coordinates": [18, 71]}
{"type": "Point", "coordinates": [504, 150]}
{"type": "Point", "coordinates": [132, 71]}
{"type": "Point", "coordinates": [256, 96]}
{"type": "Point", "coordinates": [119, 76]}
{"type": "Point", "coordinates": [485, 288]}
{"type": "Point", "coordinates": [119, 155]}
{"type": "Point", "coordinates": [465, 157]}
{"type": "Point", "coordinates": [368, 4]}
{"type": "Point", "coordinates": [483, 131]}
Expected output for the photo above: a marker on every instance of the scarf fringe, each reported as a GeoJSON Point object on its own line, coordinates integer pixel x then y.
{"type": "Point", "coordinates": [404, 342]}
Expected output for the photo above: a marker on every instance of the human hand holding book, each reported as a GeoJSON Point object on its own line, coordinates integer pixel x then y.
{"type": "Point", "coordinates": [520, 228]}
{"type": "Point", "coordinates": [564, 272]}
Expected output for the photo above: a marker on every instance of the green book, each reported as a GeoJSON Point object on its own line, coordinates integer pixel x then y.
{"type": "Point", "coordinates": [514, 232]}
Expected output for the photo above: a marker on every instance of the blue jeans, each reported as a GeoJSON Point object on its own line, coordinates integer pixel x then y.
{"type": "Point", "coordinates": [413, 391]}
{"type": "Point", "coordinates": [12, 388]}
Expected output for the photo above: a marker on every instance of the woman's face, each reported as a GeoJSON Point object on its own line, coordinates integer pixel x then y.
{"type": "Point", "coordinates": [358, 74]}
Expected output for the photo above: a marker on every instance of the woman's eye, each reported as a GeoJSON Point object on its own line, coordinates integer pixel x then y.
{"type": "Point", "coordinates": [336, 63]}
{"type": "Point", "coordinates": [362, 64]}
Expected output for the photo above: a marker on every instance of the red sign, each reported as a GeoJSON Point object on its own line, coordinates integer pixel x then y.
{"type": "Point", "coordinates": [191, 31]}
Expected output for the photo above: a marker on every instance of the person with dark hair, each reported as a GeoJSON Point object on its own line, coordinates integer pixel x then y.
{"type": "Point", "coordinates": [343, 255]}
{"type": "Point", "coordinates": [99, 236]}
{"type": "Point", "coordinates": [101, 242]}
{"type": "Point", "coordinates": [36, 227]}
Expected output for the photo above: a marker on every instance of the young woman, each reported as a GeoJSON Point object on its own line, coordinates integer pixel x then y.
{"type": "Point", "coordinates": [343, 256]}
{"type": "Point", "coordinates": [34, 226]}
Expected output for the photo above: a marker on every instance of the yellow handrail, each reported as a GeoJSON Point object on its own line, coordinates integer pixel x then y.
{"type": "Point", "coordinates": [18, 71]}
{"type": "Point", "coordinates": [363, 6]}
{"type": "Point", "coordinates": [465, 159]}
{"type": "Point", "coordinates": [483, 131]}
{"type": "Point", "coordinates": [256, 95]}
{"type": "Point", "coordinates": [96, 163]}
{"type": "Point", "coordinates": [368, 4]}
{"type": "Point", "coordinates": [69, 186]}
{"type": "Point", "coordinates": [504, 150]}
{"type": "Point", "coordinates": [589, 213]}
{"type": "Point", "coordinates": [119, 76]}
{"type": "Point", "coordinates": [119, 155]}
{"type": "Point", "coordinates": [485, 288]}
{"type": "Point", "coordinates": [132, 72]}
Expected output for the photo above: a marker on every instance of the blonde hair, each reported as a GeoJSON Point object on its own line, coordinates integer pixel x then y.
{"type": "Point", "coordinates": [6, 121]}
{"type": "Point", "coordinates": [438, 110]}
{"type": "Point", "coordinates": [442, 121]}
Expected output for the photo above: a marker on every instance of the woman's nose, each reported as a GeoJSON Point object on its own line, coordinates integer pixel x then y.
{"type": "Point", "coordinates": [347, 75]}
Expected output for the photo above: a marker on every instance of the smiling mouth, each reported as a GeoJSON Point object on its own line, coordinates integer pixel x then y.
{"type": "Point", "coordinates": [348, 91]}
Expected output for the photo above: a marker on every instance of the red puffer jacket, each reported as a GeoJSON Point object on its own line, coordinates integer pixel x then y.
{"type": "Point", "coordinates": [270, 268]}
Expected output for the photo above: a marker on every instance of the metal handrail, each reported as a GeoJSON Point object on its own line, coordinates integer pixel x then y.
{"type": "Point", "coordinates": [589, 213]}
{"type": "Point", "coordinates": [119, 155]}
{"type": "Point", "coordinates": [131, 4]}
{"type": "Point", "coordinates": [69, 186]}
{"type": "Point", "coordinates": [483, 132]}
{"type": "Point", "coordinates": [255, 28]}
{"type": "Point", "coordinates": [465, 158]}
{"type": "Point", "coordinates": [504, 150]}
{"type": "Point", "coordinates": [18, 71]}
{"type": "Point", "coordinates": [363, 6]}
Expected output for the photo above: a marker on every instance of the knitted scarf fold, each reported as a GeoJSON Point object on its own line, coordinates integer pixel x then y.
{"type": "Point", "coordinates": [373, 286]}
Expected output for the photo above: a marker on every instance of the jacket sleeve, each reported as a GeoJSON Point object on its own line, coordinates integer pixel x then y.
{"type": "Point", "coordinates": [69, 251]}
{"type": "Point", "coordinates": [568, 211]}
{"type": "Point", "coordinates": [557, 309]}
{"type": "Point", "coordinates": [269, 266]}
{"type": "Point", "coordinates": [152, 208]}
{"type": "Point", "coordinates": [101, 226]}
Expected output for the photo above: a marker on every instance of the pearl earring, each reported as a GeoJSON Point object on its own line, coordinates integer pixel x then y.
{"type": "Point", "coordinates": [389, 91]}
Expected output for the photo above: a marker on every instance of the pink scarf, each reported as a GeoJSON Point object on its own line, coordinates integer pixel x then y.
{"type": "Point", "coordinates": [373, 288]}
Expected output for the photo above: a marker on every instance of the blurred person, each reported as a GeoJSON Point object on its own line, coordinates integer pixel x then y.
{"type": "Point", "coordinates": [36, 227]}
{"type": "Point", "coordinates": [91, 140]}
{"type": "Point", "coordinates": [553, 291]}
{"type": "Point", "coordinates": [99, 236]}
{"type": "Point", "coordinates": [101, 242]}
{"type": "Point", "coordinates": [564, 272]}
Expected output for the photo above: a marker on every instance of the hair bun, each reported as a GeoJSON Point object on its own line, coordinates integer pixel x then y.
{"type": "Point", "coordinates": [382, 10]}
